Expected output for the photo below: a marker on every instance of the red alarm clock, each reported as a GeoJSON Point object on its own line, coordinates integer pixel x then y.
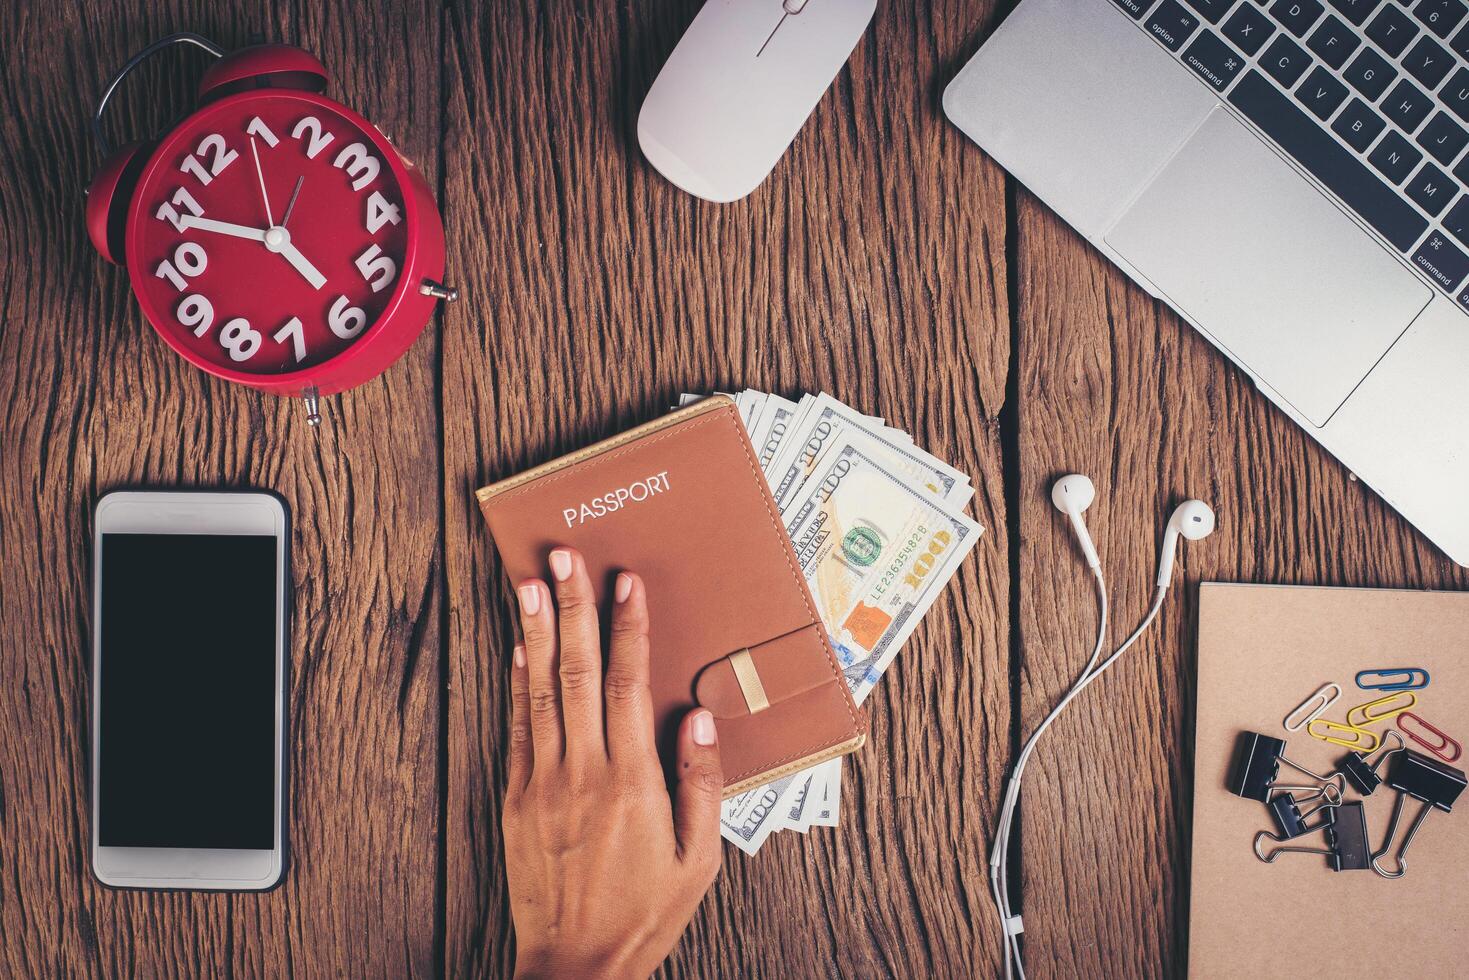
{"type": "Point", "coordinates": [274, 237]}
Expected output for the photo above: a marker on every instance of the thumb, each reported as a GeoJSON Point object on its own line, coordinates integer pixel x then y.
{"type": "Point", "coordinates": [700, 788]}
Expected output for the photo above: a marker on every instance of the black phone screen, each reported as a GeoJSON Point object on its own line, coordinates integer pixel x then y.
{"type": "Point", "coordinates": [186, 746]}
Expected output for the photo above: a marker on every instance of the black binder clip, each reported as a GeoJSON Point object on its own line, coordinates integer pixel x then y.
{"type": "Point", "coordinates": [1361, 771]}
{"type": "Point", "coordinates": [1436, 784]}
{"type": "Point", "coordinates": [1257, 761]}
{"type": "Point", "coordinates": [1286, 809]}
{"type": "Point", "coordinates": [1346, 847]}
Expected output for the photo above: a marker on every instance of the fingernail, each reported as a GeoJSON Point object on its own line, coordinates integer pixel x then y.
{"type": "Point", "coordinates": [519, 655]}
{"type": "Point", "coordinates": [623, 589]}
{"type": "Point", "coordinates": [560, 565]}
{"type": "Point", "coordinates": [530, 599]}
{"type": "Point", "coordinates": [702, 728]}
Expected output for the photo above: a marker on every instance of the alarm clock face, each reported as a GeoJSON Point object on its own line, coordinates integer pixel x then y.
{"type": "Point", "coordinates": [268, 233]}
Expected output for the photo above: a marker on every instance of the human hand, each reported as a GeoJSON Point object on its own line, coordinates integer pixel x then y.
{"type": "Point", "coordinates": [605, 869]}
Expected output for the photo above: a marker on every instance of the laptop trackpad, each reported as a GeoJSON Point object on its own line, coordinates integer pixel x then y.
{"type": "Point", "coordinates": [1261, 261]}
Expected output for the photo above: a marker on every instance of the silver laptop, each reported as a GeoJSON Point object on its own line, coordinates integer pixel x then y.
{"type": "Point", "coordinates": [1290, 176]}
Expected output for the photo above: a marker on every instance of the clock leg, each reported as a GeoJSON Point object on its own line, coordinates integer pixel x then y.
{"type": "Point", "coordinates": [312, 397]}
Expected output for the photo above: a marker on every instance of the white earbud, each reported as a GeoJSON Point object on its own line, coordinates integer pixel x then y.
{"type": "Point", "coordinates": [1193, 519]}
{"type": "Point", "coordinates": [1073, 494]}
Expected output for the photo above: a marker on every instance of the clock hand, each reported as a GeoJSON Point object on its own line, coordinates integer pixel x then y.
{"type": "Point", "coordinates": [278, 240]}
{"type": "Point", "coordinates": [264, 197]}
{"type": "Point", "coordinates": [222, 227]}
{"type": "Point", "coordinates": [291, 204]}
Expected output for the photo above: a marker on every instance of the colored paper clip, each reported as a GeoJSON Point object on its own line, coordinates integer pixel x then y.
{"type": "Point", "coordinates": [1313, 707]}
{"type": "Point", "coordinates": [1442, 745]}
{"type": "Point", "coordinates": [1380, 680]}
{"type": "Point", "coordinates": [1361, 739]}
{"type": "Point", "coordinates": [1367, 714]}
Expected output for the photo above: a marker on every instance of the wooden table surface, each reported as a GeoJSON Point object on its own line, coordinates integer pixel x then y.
{"type": "Point", "coordinates": [886, 260]}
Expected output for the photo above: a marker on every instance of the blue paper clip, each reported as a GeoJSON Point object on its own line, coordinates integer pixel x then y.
{"type": "Point", "coordinates": [1382, 680]}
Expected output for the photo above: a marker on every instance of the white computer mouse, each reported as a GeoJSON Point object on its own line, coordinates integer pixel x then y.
{"type": "Point", "coordinates": [740, 84]}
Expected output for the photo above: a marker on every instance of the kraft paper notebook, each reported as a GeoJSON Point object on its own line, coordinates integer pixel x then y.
{"type": "Point", "coordinates": [682, 502]}
{"type": "Point", "coordinates": [1262, 651]}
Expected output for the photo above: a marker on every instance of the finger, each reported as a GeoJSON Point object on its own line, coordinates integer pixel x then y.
{"type": "Point", "coordinates": [700, 787]}
{"type": "Point", "coordinates": [581, 656]}
{"type": "Point", "coordinates": [522, 757]}
{"type": "Point", "coordinates": [629, 700]}
{"type": "Point", "coordinates": [538, 626]}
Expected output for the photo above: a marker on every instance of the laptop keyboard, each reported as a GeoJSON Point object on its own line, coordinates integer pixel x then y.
{"type": "Point", "coordinates": [1369, 96]}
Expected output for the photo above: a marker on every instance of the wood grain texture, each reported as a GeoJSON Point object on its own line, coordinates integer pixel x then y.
{"type": "Point", "coordinates": [870, 265]}
{"type": "Point", "coordinates": [1114, 385]}
{"type": "Point", "coordinates": [93, 400]}
{"type": "Point", "coordinates": [887, 261]}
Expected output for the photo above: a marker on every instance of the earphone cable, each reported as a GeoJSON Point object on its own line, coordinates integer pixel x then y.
{"type": "Point", "coordinates": [1000, 853]}
{"type": "Point", "coordinates": [998, 876]}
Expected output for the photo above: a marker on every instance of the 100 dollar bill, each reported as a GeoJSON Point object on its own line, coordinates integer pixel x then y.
{"type": "Point", "coordinates": [825, 422]}
{"type": "Point", "coordinates": [875, 550]}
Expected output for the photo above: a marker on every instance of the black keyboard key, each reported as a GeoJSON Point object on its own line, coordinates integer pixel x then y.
{"type": "Point", "coordinates": [1395, 157]}
{"type": "Point", "coordinates": [1213, 60]}
{"type": "Point", "coordinates": [1407, 106]}
{"type": "Point", "coordinates": [1248, 28]}
{"type": "Point", "coordinates": [1334, 42]}
{"type": "Point", "coordinates": [1428, 62]}
{"type": "Point", "coordinates": [1358, 125]}
{"type": "Point", "coordinates": [1321, 93]}
{"type": "Point", "coordinates": [1370, 74]}
{"type": "Point", "coordinates": [1356, 11]}
{"type": "Point", "coordinates": [1172, 25]}
{"type": "Point", "coordinates": [1432, 189]}
{"type": "Point", "coordinates": [1456, 222]}
{"type": "Point", "coordinates": [1135, 8]}
{"type": "Point", "coordinates": [1455, 94]}
{"type": "Point", "coordinates": [1211, 10]}
{"type": "Point", "coordinates": [1443, 261]}
{"type": "Point", "coordinates": [1331, 163]}
{"type": "Point", "coordinates": [1441, 16]}
{"type": "Point", "coordinates": [1460, 43]}
{"type": "Point", "coordinates": [1443, 139]}
{"type": "Point", "coordinates": [1461, 172]}
{"type": "Point", "coordinates": [1296, 15]}
{"type": "Point", "coordinates": [1285, 61]}
{"type": "Point", "coordinates": [1392, 29]}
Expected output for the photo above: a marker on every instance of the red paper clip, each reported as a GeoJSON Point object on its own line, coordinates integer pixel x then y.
{"type": "Point", "coordinates": [1444, 746]}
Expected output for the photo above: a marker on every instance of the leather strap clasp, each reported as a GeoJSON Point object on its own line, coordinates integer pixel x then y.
{"type": "Point", "coordinates": [749, 678]}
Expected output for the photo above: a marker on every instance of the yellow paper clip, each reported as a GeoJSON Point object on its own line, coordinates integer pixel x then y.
{"type": "Point", "coordinates": [1363, 714]}
{"type": "Point", "coordinates": [1361, 740]}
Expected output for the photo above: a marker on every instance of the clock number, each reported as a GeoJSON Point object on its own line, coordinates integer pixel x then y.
{"type": "Point", "coordinates": [380, 212]}
{"type": "Point", "coordinates": [346, 321]}
{"type": "Point", "coordinates": [292, 329]}
{"type": "Point", "coordinates": [167, 212]}
{"type": "Point", "coordinates": [258, 128]}
{"type": "Point", "coordinates": [319, 140]}
{"type": "Point", "coordinates": [376, 268]}
{"type": "Point", "coordinates": [240, 339]}
{"type": "Point", "coordinates": [197, 312]}
{"type": "Point", "coordinates": [360, 166]}
{"type": "Point", "coordinates": [188, 261]}
{"type": "Point", "coordinates": [223, 157]}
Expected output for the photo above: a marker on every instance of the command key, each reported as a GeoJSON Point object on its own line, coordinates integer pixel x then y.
{"type": "Point", "coordinates": [1443, 261]}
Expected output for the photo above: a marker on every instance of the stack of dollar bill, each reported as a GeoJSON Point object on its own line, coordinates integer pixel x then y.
{"type": "Point", "coordinates": [879, 528]}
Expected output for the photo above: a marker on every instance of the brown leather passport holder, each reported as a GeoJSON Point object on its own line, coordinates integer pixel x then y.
{"type": "Point", "coordinates": [682, 502]}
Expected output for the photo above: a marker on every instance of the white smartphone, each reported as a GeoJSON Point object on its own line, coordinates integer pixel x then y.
{"type": "Point", "coordinates": [189, 690]}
